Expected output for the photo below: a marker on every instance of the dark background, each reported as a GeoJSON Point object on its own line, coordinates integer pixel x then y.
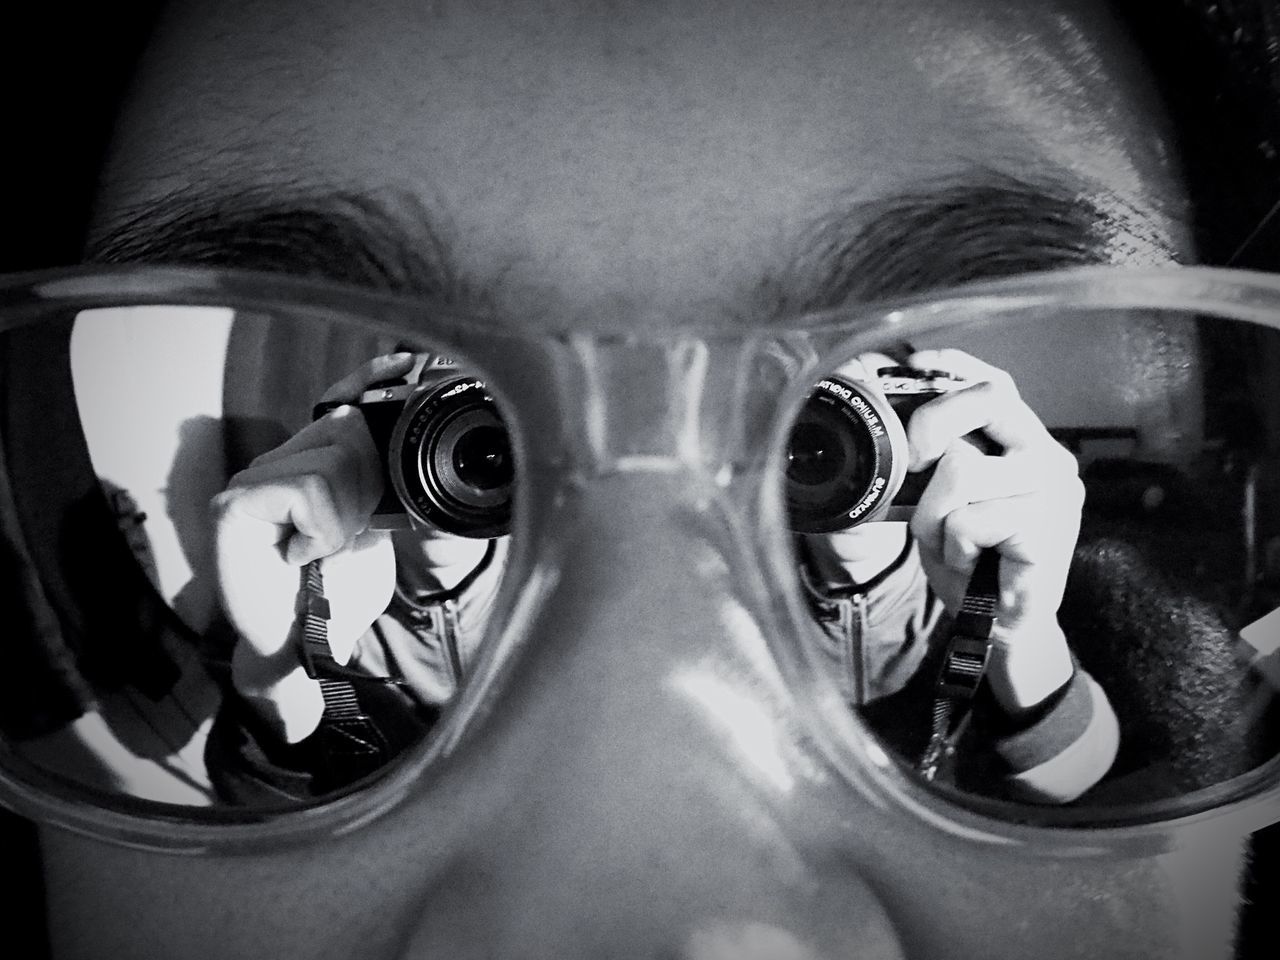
{"type": "Point", "coordinates": [64, 68]}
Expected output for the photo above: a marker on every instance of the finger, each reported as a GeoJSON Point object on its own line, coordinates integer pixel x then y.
{"type": "Point", "coordinates": [342, 425]}
{"type": "Point", "coordinates": [1029, 536]}
{"type": "Point", "coordinates": [960, 364]}
{"type": "Point", "coordinates": [386, 367]}
{"type": "Point", "coordinates": [336, 462]}
{"type": "Point", "coordinates": [1025, 529]}
{"type": "Point", "coordinates": [968, 530]}
{"type": "Point", "coordinates": [296, 516]}
{"type": "Point", "coordinates": [310, 503]}
{"type": "Point", "coordinates": [993, 408]}
{"type": "Point", "coordinates": [863, 370]}
{"type": "Point", "coordinates": [344, 437]}
{"type": "Point", "coordinates": [964, 476]}
{"type": "Point", "coordinates": [946, 491]}
{"type": "Point", "coordinates": [854, 369]}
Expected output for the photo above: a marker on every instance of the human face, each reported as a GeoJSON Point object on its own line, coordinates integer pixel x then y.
{"type": "Point", "coordinates": [652, 166]}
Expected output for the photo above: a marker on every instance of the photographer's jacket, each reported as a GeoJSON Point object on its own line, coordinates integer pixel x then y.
{"type": "Point", "coordinates": [880, 639]}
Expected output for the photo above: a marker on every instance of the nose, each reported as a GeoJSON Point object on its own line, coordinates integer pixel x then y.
{"type": "Point", "coordinates": [650, 790]}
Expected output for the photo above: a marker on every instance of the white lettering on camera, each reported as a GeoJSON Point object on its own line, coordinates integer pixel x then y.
{"type": "Point", "coordinates": [865, 504]}
{"type": "Point", "coordinates": [465, 385]}
{"type": "Point", "coordinates": [865, 410]}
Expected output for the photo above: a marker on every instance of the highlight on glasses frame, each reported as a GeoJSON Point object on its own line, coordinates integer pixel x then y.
{"type": "Point", "coordinates": [134, 398]}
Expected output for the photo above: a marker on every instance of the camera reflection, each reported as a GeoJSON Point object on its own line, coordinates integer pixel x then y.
{"type": "Point", "coordinates": [319, 621]}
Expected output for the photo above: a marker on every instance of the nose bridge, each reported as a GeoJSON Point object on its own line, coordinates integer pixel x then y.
{"type": "Point", "coordinates": [659, 794]}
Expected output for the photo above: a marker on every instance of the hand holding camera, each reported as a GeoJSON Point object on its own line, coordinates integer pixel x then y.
{"type": "Point", "coordinates": [310, 498]}
{"type": "Point", "coordinates": [947, 441]}
{"type": "Point", "coordinates": [411, 440]}
{"type": "Point", "coordinates": [1025, 503]}
{"type": "Point", "coordinates": [407, 439]}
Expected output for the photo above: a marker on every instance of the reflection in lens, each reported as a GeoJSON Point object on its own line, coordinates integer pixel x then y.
{"type": "Point", "coordinates": [158, 408]}
{"type": "Point", "coordinates": [839, 457]}
{"type": "Point", "coordinates": [482, 458]}
{"type": "Point", "coordinates": [466, 466]}
{"type": "Point", "coordinates": [1178, 550]}
{"type": "Point", "coordinates": [815, 456]}
{"type": "Point", "coordinates": [126, 422]}
{"type": "Point", "coordinates": [450, 462]}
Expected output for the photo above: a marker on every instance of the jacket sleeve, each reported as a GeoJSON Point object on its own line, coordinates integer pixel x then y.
{"type": "Point", "coordinates": [1050, 754]}
{"type": "Point", "coordinates": [1065, 747]}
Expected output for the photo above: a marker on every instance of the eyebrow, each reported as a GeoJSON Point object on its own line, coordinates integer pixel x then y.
{"type": "Point", "coordinates": [381, 240]}
{"type": "Point", "coordinates": [980, 226]}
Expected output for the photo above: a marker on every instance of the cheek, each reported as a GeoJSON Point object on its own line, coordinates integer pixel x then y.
{"type": "Point", "coordinates": [1206, 881]}
{"type": "Point", "coordinates": [1009, 914]}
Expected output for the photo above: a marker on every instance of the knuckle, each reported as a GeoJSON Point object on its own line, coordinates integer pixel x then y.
{"type": "Point", "coordinates": [983, 393]}
{"type": "Point", "coordinates": [951, 468]}
{"type": "Point", "coordinates": [1003, 380]}
{"type": "Point", "coordinates": [923, 529]}
{"type": "Point", "coordinates": [955, 535]}
{"type": "Point", "coordinates": [220, 504]}
{"type": "Point", "coordinates": [314, 487]}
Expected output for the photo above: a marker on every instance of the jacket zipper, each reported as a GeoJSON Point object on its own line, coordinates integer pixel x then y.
{"type": "Point", "coordinates": [449, 634]}
{"type": "Point", "coordinates": [853, 624]}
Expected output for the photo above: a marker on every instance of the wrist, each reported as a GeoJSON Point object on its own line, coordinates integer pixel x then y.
{"type": "Point", "coordinates": [1028, 664]}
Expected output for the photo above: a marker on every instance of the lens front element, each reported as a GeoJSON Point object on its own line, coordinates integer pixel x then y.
{"type": "Point", "coordinates": [844, 458]}
{"type": "Point", "coordinates": [453, 468]}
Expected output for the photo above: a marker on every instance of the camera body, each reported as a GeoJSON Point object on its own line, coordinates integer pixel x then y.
{"type": "Point", "coordinates": [444, 451]}
{"type": "Point", "coordinates": [847, 456]}
{"type": "Point", "coordinates": [446, 457]}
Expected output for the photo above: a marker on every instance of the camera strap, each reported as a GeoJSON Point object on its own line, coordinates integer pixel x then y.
{"type": "Point", "coordinates": [317, 659]}
{"type": "Point", "coordinates": [964, 664]}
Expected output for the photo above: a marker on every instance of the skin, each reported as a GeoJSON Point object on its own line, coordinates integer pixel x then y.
{"type": "Point", "coordinates": [654, 166]}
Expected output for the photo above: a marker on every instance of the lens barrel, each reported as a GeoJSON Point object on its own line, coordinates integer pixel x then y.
{"type": "Point", "coordinates": [450, 460]}
{"type": "Point", "coordinates": [846, 457]}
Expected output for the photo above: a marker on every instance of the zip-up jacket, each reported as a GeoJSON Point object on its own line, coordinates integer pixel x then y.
{"type": "Point", "coordinates": [880, 640]}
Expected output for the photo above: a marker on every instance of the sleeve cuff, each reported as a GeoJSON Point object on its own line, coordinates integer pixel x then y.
{"type": "Point", "coordinates": [1066, 750]}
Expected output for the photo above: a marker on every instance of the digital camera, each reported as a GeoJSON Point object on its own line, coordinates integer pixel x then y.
{"type": "Point", "coordinates": [847, 454]}
{"type": "Point", "coordinates": [445, 451]}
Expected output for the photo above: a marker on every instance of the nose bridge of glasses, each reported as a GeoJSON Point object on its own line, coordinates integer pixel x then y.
{"type": "Point", "coordinates": [647, 402]}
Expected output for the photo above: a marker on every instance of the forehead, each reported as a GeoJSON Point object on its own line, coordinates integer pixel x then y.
{"type": "Point", "coordinates": [667, 153]}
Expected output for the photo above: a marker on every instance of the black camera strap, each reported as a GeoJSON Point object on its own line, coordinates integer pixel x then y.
{"type": "Point", "coordinates": [361, 729]}
{"type": "Point", "coordinates": [335, 679]}
{"type": "Point", "coordinates": [964, 664]}
{"type": "Point", "coordinates": [340, 701]}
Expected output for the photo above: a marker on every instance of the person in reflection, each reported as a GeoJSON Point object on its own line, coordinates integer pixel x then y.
{"type": "Point", "coordinates": [415, 611]}
{"type": "Point", "coordinates": [655, 163]}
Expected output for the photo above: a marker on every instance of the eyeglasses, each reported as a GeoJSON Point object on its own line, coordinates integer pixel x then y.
{"type": "Point", "coordinates": [632, 513]}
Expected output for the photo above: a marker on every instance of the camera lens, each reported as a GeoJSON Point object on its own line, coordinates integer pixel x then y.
{"type": "Point", "coordinates": [840, 460]}
{"type": "Point", "coordinates": [455, 464]}
{"type": "Point", "coordinates": [465, 461]}
{"type": "Point", "coordinates": [815, 454]}
{"type": "Point", "coordinates": [482, 458]}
